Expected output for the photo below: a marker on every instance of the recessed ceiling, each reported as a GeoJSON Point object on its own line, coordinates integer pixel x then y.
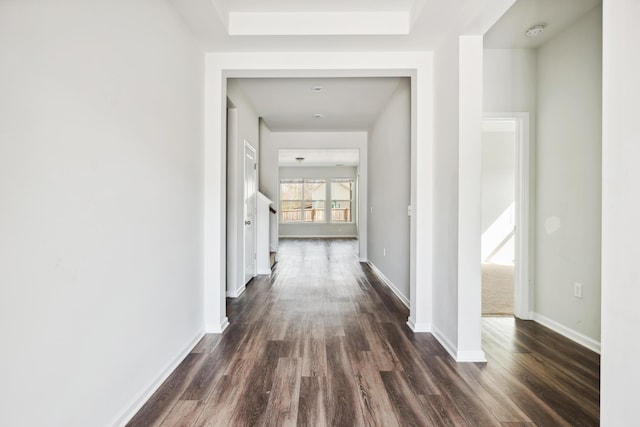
{"type": "Point", "coordinates": [335, 25]}
{"type": "Point", "coordinates": [319, 157]}
{"type": "Point", "coordinates": [555, 15]}
{"type": "Point", "coordinates": [292, 104]}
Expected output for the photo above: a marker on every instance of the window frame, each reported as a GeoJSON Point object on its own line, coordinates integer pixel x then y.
{"type": "Point", "coordinates": [302, 200]}
{"type": "Point", "coordinates": [332, 199]}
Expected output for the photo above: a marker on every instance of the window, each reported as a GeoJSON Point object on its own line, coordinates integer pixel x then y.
{"type": "Point", "coordinates": [341, 199]}
{"type": "Point", "coordinates": [303, 200]}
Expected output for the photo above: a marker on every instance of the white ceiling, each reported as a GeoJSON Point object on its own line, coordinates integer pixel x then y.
{"type": "Point", "coordinates": [509, 31]}
{"type": "Point", "coordinates": [355, 25]}
{"type": "Point", "coordinates": [347, 104]}
{"type": "Point", "coordinates": [319, 157]}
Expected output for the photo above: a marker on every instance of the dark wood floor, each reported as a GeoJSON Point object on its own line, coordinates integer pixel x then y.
{"type": "Point", "coordinates": [323, 342]}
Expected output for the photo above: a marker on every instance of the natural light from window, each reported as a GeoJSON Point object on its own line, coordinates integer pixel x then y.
{"type": "Point", "coordinates": [305, 200]}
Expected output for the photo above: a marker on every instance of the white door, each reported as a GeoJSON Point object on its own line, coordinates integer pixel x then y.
{"type": "Point", "coordinates": [249, 212]}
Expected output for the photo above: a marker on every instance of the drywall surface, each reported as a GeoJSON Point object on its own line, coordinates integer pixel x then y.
{"type": "Point", "coordinates": [509, 80]}
{"type": "Point", "coordinates": [272, 142]}
{"type": "Point", "coordinates": [568, 176]}
{"type": "Point", "coordinates": [445, 193]}
{"type": "Point", "coordinates": [101, 189]}
{"type": "Point", "coordinates": [243, 125]}
{"type": "Point", "coordinates": [389, 189]}
{"type": "Point", "coordinates": [620, 213]}
{"type": "Point", "coordinates": [326, 229]}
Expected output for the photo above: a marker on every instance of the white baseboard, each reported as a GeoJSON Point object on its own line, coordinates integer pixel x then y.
{"type": "Point", "coordinates": [125, 416]}
{"type": "Point", "coordinates": [237, 292]}
{"type": "Point", "coordinates": [389, 284]}
{"type": "Point", "coordinates": [418, 327]}
{"type": "Point", "coordinates": [573, 335]}
{"type": "Point", "coordinates": [458, 356]}
{"type": "Point", "coordinates": [263, 272]}
{"type": "Point", "coordinates": [471, 356]}
{"type": "Point", "coordinates": [527, 316]}
{"type": "Point", "coordinates": [315, 236]}
{"type": "Point", "coordinates": [217, 328]}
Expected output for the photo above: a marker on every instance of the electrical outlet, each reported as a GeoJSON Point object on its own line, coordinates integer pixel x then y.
{"type": "Point", "coordinates": [384, 251]}
{"type": "Point", "coordinates": [577, 290]}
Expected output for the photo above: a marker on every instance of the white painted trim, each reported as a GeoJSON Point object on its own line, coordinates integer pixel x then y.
{"type": "Point", "coordinates": [471, 356]}
{"type": "Point", "coordinates": [418, 327]}
{"type": "Point", "coordinates": [323, 236]}
{"type": "Point", "coordinates": [573, 335]}
{"type": "Point", "coordinates": [131, 410]}
{"type": "Point", "coordinates": [418, 65]}
{"type": "Point", "coordinates": [459, 356]}
{"type": "Point", "coordinates": [523, 288]}
{"type": "Point", "coordinates": [237, 292]}
{"type": "Point", "coordinates": [264, 272]}
{"type": "Point", "coordinates": [217, 328]}
{"type": "Point", "coordinates": [389, 284]}
{"type": "Point", "coordinates": [448, 345]}
{"type": "Point", "coordinates": [251, 148]}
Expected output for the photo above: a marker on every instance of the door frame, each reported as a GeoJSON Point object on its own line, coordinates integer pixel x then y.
{"type": "Point", "coordinates": [523, 286]}
{"type": "Point", "coordinates": [247, 145]}
{"type": "Point", "coordinates": [418, 66]}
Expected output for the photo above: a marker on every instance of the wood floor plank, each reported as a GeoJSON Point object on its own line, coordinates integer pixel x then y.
{"type": "Point", "coordinates": [342, 403]}
{"type": "Point", "coordinates": [220, 410]}
{"type": "Point", "coordinates": [470, 407]}
{"type": "Point", "coordinates": [521, 394]}
{"type": "Point", "coordinates": [442, 410]}
{"type": "Point", "coordinates": [407, 407]}
{"type": "Point", "coordinates": [489, 393]}
{"type": "Point", "coordinates": [386, 359]}
{"type": "Point", "coordinates": [374, 401]}
{"type": "Point", "coordinates": [410, 361]}
{"type": "Point", "coordinates": [314, 356]}
{"type": "Point", "coordinates": [282, 409]}
{"type": "Point", "coordinates": [311, 406]}
{"type": "Point", "coordinates": [210, 371]}
{"type": "Point", "coordinates": [207, 343]}
{"type": "Point", "coordinates": [183, 414]}
{"type": "Point", "coordinates": [252, 403]}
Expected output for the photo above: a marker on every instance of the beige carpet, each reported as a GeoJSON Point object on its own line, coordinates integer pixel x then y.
{"type": "Point", "coordinates": [497, 289]}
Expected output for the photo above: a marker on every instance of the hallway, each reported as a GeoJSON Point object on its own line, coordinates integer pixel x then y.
{"type": "Point", "coordinates": [323, 342]}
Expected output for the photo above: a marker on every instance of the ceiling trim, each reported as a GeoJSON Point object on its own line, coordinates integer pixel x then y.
{"type": "Point", "coordinates": [318, 23]}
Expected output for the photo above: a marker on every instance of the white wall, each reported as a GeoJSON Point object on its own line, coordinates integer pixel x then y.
{"type": "Point", "coordinates": [509, 81]}
{"type": "Point", "coordinates": [272, 142]}
{"type": "Point", "coordinates": [101, 187]}
{"type": "Point", "coordinates": [320, 229]}
{"type": "Point", "coordinates": [620, 213]}
{"type": "Point", "coordinates": [246, 129]}
{"type": "Point", "coordinates": [389, 189]}
{"type": "Point", "coordinates": [568, 177]}
{"type": "Point", "coordinates": [445, 197]}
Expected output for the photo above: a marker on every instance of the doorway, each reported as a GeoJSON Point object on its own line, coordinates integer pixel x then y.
{"type": "Point", "coordinates": [505, 215]}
